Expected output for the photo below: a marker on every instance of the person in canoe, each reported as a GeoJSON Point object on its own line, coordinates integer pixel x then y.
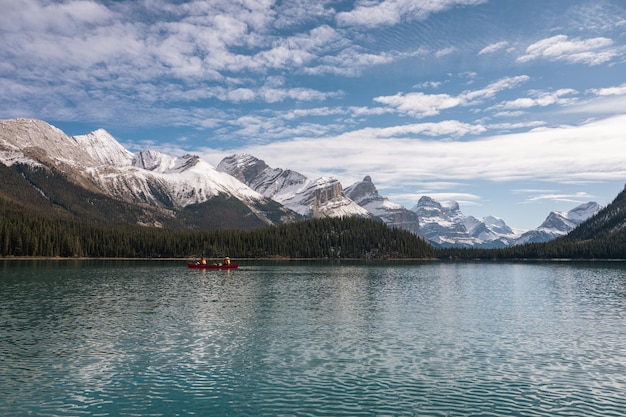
{"type": "Point", "coordinates": [202, 264]}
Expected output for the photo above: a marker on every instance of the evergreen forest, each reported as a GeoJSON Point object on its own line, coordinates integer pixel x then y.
{"type": "Point", "coordinates": [348, 238]}
{"type": "Point", "coordinates": [31, 231]}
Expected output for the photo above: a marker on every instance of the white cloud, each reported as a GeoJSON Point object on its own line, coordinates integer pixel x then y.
{"type": "Point", "coordinates": [494, 47]}
{"type": "Point", "coordinates": [567, 198]}
{"type": "Point", "coordinates": [561, 154]}
{"type": "Point", "coordinates": [592, 51]}
{"type": "Point", "coordinates": [422, 105]}
{"type": "Point", "coordinates": [492, 89]}
{"type": "Point", "coordinates": [445, 51]}
{"type": "Point", "coordinates": [389, 12]}
{"type": "Point", "coordinates": [448, 128]}
{"type": "Point", "coordinates": [507, 127]}
{"type": "Point", "coordinates": [610, 91]}
{"type": "Point", "coordinates": [428, 84]}
{"type": "Point", "coordinates": [602, 104]}
{"type": "Point", "coordinates": [296, 12]}
{"type": "Point", "coordinates": [541, 99]}
{"type": "Point", "coordinates": [60, 18]}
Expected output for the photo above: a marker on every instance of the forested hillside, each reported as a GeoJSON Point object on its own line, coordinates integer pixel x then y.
{"type": "Point", "coordinates": [608, 247]}
{"type": "Point", "coordinates": [603, 236]}
{"type": "Point", "coordinates": [32, 234]}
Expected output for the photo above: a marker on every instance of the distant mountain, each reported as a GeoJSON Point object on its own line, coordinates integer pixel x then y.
{"type": "Point", "coordinates": [444, 225]}
{"type": "Point", "coordinates": [323, 197]}
{"type": "Point", "coordinates": [606, 224]}
{"type": "Point", "coordinates": [94, 178]}
{"type": "Point", "coordinates": [601, 236]}
{"type": "Point", "coordinates": [559, 223]}
{"type": "Point", "coordinates": [365, 194]}
{"type": "Point", "coordinates": [162, 190]}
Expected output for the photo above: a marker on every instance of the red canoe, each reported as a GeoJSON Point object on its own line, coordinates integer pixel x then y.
{"type": "Point", "coordinates": [212, 266]}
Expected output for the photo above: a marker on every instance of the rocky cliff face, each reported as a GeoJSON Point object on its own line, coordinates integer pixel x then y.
{"type": "Point", "coordinates": [245, 186]}
{"type": "Point", "coordinates": [151, 180]}
{"type": "Point", "coordinates": [559, 223]}
{"type": "Point", "coordinates": [443, 224]}
{"type": "Point", "coordinates": [365, 194]}
{"type": "Point", "coordinates": [322, 197]}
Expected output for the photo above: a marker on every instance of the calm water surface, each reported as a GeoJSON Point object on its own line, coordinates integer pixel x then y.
{"type": "Point", "coordinates": [312, 339]}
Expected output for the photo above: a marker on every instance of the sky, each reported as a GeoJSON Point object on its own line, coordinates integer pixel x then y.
{"type": "Point", "coordinates": [511, 108]}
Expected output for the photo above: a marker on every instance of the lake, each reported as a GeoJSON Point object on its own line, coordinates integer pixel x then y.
{"type": "Point", "coordinates": [140, 338]}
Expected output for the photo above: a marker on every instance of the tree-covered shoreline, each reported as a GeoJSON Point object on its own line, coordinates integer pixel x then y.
{"type": "Point", "coordinates": [33, 235]}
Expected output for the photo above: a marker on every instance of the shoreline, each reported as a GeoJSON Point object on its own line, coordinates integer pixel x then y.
{"type": "Point", "coordinates": [286, 259]}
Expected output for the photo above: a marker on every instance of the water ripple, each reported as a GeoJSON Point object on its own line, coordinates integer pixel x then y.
{"type": "Point", "coordinates": [426, 340]}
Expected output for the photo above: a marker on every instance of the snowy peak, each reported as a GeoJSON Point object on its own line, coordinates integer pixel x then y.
{"type": "Point", "coordinates": [104, 148]}
{"type": "Point", "coordinates": [323, 197]}
{"type": "Point", "coordinates": [565, 221]}
{"type": "Point", "coordinates": [560, 223]}
{"type": "Point", "coordinates": [149, 179]}
{"type": "Point", "coordinates": [497, 225]}
{"type": "Point", "coordinates": [275, 183]}
{"type": "Point", "coordinates": [244, 167]}
{"type": "Point", "coordinates": [36, 142]}
{"type": "Point", "coordinates": [444, 224]}
{"type": "Point", "coordinates": [365, 194]}
{"type": "Point", "coordinates": [583, 212]}
{"type": "Point", "coordinates": [159, 162]}
{"type": "Point", "coordinates": [154, 161]}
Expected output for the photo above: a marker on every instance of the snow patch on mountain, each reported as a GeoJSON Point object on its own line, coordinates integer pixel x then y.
{"type": "Point", "coordinates": [35, 142]}
{"type": "Point", "coordinates": [104, 148]}
{"type": "Point", "coordinates": [149, 177]}
{"type": "Point", "coordinates": [560, 223]}
{"type": "Point", "coordinates": [153, 177]}
{"type": "Point", "coordinates": [323, 197]}
{"type": "Point", "coordinates": [443, 224]}
{"type": "Point", "coordinates": [365, 194]}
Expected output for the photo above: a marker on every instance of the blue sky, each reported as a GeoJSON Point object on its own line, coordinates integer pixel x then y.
{"type": "Point", "coordinates": [512, 108]}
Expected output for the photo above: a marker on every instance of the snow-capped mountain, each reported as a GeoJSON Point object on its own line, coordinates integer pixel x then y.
{"type": "Point", "coordinates": [443, 224]}
{"type": "Point", "coordinates": [97, 161]}
{"type": "Point", "coordinates": [104, 148]}
{"type": "Point", "coordinates": [365, 194]}
{"type": "Point", "coordinates": [154, 187]}
{"type": "Point", "coordinates": [36, 143]}
{"type": "Point", "coordinates": [559, 223]}
{"type": "Point", "coordinates": [323, 197]}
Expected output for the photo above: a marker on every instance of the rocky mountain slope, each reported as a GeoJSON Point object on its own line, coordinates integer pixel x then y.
{"type": "Point", "coordinates": [444, 225]}
{"type": "Point", "coordinates": [365, 194]}
{"type": "Point", "coordinates": [322, 197]}
{"type": "Point", "coordinates": [94, 177]}
{"type": "Point", "coordinates": [609, 221]}
{"type": "Point", "coordinates": [187, 188]}
{"type": "Point", "coordinates": [560, 223]}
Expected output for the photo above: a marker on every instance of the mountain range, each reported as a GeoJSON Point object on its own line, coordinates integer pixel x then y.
{"type": "Point", "coordinates": [444, 225]}
{"type": "Point", "coordinates": [94, 178]}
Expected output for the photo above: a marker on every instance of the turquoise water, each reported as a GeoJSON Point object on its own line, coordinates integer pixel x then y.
{"type": "Point", "coordinates": [312, 339]}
